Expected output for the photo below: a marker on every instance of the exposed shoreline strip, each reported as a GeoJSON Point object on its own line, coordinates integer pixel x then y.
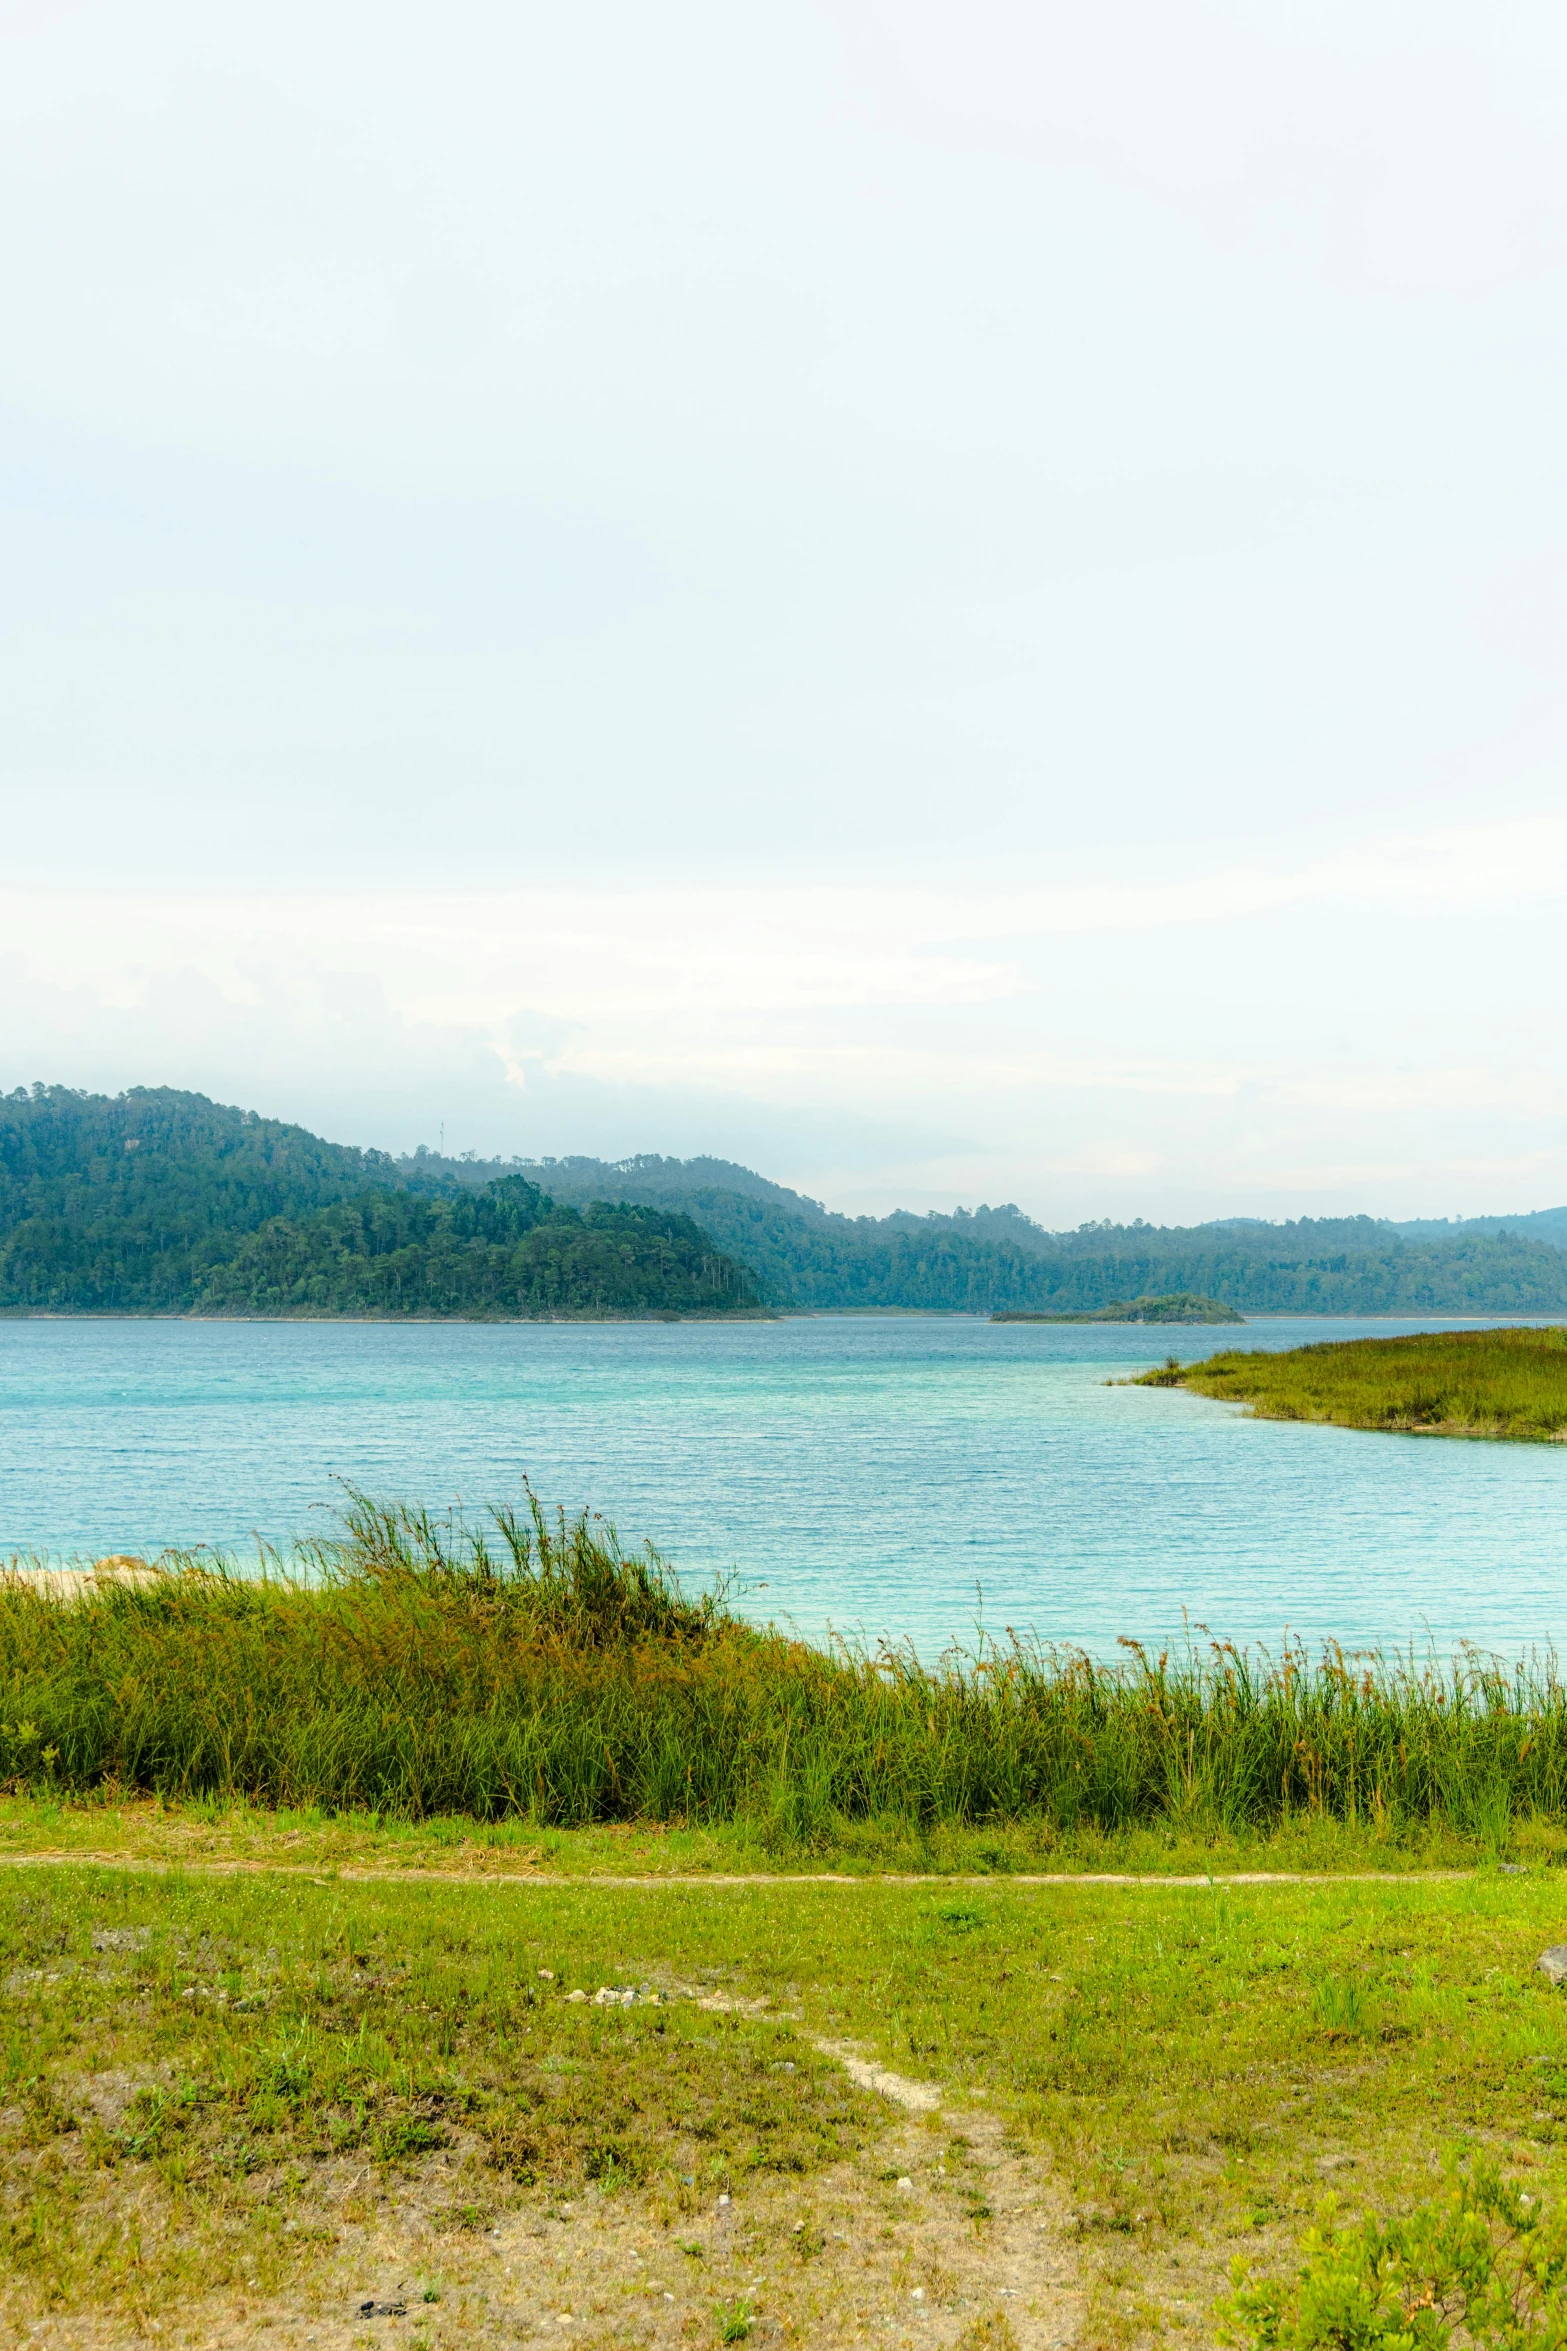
{"type": "Point", "coordinates": [353, 1873]}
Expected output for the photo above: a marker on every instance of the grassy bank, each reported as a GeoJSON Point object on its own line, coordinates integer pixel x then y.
{"type": "Point", "coordinates": [236, 2112]}
{"type": "Point", "coordinates": [549, 1678]}
{"type": "Point", "coordinates": [1501, 1383]}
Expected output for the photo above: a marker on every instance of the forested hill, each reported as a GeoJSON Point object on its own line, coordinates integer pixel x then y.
{"type": "Point", "coordinates": [508, 1251]}
{"type": "Point", "coordinates": [991, 1259]}
{"type": "Point", "coordinates": [124, 1202]}
{"type": "Point", "coordinates": [164, 1202]}
{"type": "Point", "coordinates": [1539, 1224]}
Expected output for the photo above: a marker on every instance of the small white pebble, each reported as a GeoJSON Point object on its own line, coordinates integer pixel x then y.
{"type": "Point", "coordinates": [579, 1995]}
{"type": "Point", "coordinates": [722, 2201]}
{"type": "Point", "coordinates": [669, 2297]}
{"type": "Point", "coordinates": [546, 1975]}
{"type": "Point", "coordinates": [905, 2182]}
{"type": "Point", "coordinates": [918, 2294]}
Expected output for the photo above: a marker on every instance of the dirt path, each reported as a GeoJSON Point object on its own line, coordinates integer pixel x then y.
{"type": "Point", "coordinates": [359, 1873]}
{"type": "Point", "coordinates": [939, 2234]}
{"type": "Point", "coordinates": [934, 2239]}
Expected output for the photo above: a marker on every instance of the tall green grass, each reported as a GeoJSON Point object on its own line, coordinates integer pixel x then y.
{"type": "Point", "coordinates": [1497, 1383]}
{"type": "Point", "coordinates": [539, 1669]}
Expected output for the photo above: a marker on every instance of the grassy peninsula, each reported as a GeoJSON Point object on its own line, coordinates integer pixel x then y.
{"type": "Point", "coordinates": [1501, 1383]}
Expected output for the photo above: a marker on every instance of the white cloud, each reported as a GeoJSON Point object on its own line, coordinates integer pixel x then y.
{"type": "Point", "coordinates": [962, 604]}
{"type": "Point", "coordinates": [1154, 1047]}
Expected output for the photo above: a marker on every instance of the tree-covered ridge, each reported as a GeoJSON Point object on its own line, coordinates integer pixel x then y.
{"type": "Point", "coordinates": [137, 1205]}
{"type": "Point", "coordinates": [508, 1251]}
{"type": "Point", "coordinates": [1545, 1224]}
{"type": "Point", "coordinates": [121, 1204]}
{"type": "Point", "coordinates": [987, 1260]}
{"type": "Point", "coordinates": [162, 1202]}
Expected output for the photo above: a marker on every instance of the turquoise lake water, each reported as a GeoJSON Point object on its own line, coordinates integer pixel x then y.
{"type": "Point", "coordinates": [873, 1474]}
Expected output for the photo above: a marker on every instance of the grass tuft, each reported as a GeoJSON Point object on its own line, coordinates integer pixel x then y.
{"type": "Point", "coordinates": [536, 1671]}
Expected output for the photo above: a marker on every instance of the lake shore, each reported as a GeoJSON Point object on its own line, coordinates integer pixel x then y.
{"type": "Point", "coordinates": [499, 1940]}
{"type": "Point", "coordinates": [1507, 1384]}
{"type": "Point", "coordinates": [530, 1667]}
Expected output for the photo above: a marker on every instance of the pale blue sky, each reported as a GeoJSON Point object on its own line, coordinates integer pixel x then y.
{"type": "Point", "coordinates": [958, 601]}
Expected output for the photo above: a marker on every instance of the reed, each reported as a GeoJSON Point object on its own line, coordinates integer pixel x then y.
{"type": "Point", "coordinates": [536, 1668]}
{"type": "Point", "coordinates": [1508, 1383]}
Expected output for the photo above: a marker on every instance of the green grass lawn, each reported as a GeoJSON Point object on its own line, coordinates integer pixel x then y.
{"type": "Point", "coordinates": [217, 1833]}
{"type": "Point", "coordinates": [237, 2108]}
{"type": "Point", "coordinates": [1496, 1383]}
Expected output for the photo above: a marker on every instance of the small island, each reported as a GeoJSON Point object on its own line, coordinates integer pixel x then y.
{"type": "Point", "coordinates": [1509, 1383]}
{"type": "Point", "coordinates": [1177, 1306]}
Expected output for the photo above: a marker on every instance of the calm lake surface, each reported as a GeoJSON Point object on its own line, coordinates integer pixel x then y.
{"type": "Point", "coordinates": [872, 1474]}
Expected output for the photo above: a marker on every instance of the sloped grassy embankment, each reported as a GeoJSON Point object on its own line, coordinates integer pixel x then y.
{"type": "Point", "coordinates": [544, 1673]}
{"type": "Point", "coordinates": [1500, 1383]}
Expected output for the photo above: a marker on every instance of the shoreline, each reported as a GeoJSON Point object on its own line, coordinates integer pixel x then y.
{"type": "Point", "coordinates": [998, 1318]}
{"type": "Point", "coordinates": [1506, 1384]}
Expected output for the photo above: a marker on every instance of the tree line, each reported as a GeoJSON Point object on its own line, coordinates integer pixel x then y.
{"type": "Point", "coordinates": [160, 1201]}
{"type": "Point", "coordinates": [163, 1202]}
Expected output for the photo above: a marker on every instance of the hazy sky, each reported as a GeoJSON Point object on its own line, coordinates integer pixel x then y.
{"type": "Point", "coordinates": [959, 602]}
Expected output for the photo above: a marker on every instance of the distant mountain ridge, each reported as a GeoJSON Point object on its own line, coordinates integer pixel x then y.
{"type": "Point", "coordinates": [1545, 1224]}
{"type": "Point", "coordinates": [985, 1260]}
{"type": "Point", "coordinates": [160, 1201]}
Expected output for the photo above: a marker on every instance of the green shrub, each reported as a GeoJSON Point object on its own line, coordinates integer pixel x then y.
{"type": "Point", "coordinates": [1482, 2266]}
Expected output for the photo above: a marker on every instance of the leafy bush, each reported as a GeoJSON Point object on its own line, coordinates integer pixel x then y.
{"type": "Point", "coordinates": [1483, 2265]}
